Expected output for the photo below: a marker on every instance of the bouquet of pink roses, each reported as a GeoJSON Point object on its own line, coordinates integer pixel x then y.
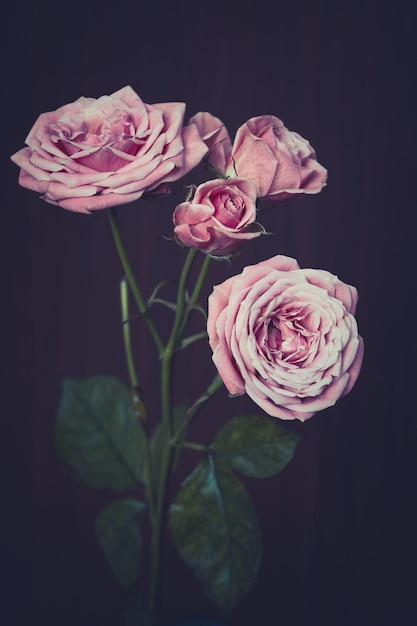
{"type": "Point", "coordinates": [286, 336]}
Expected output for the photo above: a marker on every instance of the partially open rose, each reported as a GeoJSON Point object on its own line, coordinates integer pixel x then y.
{"type": "Point", "coordinates": [286, 336]}
{"type": "Point", "coordinates": [219, 218]}
{"type": "Point", "coordinates": [216, 137]}
{"type": "Point", "coordinates": [92, 154]}
{"type": "Point", "coordinates": [280, 163]}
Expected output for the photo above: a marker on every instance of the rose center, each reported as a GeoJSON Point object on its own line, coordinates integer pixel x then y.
{"type": "Point", "coordinates": [230, 208]}
{"type": "Point", "coordinates": [287, 338]}
{"type": "Point", "coordinates": [99, 139]}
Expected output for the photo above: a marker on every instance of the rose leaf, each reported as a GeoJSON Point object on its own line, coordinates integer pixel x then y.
{"type": "Point", "coordinates": [215, 528]}
{"type": "Point", "coordinates": [118, 531]}
{"type": "Point", "coordinates": [99, 434]}
{"type": "Point", "coordinates": [255, 445]}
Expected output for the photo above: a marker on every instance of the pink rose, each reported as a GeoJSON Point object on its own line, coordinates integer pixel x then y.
{"type": "Point", "coordinates": [214, 134]}
{"type": "Point", "coordinates": [280, 163]}
{"type": "Point", "coordinates": [92, 154]}
{"type": "Point", "coordinates": [219, 217]}
{"type": "Point", "coordinates": [286, 336]}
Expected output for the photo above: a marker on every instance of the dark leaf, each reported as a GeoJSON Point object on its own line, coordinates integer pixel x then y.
{"type": "Point", "coordinates": [118, 530]}
{"type": "Point", "coordinates": [216, 531]}
{"type": "Point", "coordinates": [99, 434]}
{"type": "Point", "coordinates": [255, 445]}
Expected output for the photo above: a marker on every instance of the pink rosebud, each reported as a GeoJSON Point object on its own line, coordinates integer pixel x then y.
{"type": "Point", "coordinates": [92, 154]}
{"type": "Point", "coordinates": [219, 218]}
{"type": "Point", "coordinates": [286, 336]}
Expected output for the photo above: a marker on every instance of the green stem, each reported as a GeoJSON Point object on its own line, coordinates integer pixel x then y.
{"type": "Point", "coordinates": [140, 301]}
{"type": "Point", "coordinates": [197, 291]}
{"type": "Point", "coordinates": [166, 384]}
{"type": "Point", "coordinates": [137, 400]}
{"type": "Point", "coordinates": [200, 281]}
{"type": "Point", "coordinates": [195, 408]}
{"type": "Point", "coordinates": [127, 341]}
{"type": "Point", "coordinates": [180, 309]}
{"type": "Point", "coordinates": [138, 403]}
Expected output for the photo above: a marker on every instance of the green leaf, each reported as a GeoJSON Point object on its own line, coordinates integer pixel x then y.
{"type": "Point", "coordinates": [255, 445]}
{"type": "Point", "coordinates": [98, 433]}
{"type": "Point", "coordinates": [214, 526]}
{"type": "Point", "coordinates": [118, 531]}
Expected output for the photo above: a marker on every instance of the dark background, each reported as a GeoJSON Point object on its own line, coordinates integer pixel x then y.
{"type": "Point", "coordinates": [339, 523]}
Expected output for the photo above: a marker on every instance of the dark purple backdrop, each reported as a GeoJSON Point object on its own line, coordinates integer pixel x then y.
{"type": "Point", "coordinates": [339, 523]}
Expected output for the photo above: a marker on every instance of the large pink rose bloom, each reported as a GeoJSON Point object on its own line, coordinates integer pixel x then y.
{"type": "Point", "coordinates": [219, 217]}
{"type": "Point", "coordinates": [92, 154]}
{"type": "Point", "coordinates": [280, 163]}
{"type": "Point", "coordinates": [286, 336]}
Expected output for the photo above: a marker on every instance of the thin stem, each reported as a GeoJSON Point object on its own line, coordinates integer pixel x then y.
{"type": "Point", "coordinates": [197, 291]}
{"type": "Point", "coordinates": [138, 403]}
{"type": "Point", "coordinates": [140, 301]}
{"type": "Point", "coordinates": [167, 463]}
{"type": "Point", "coordinates": [178, 322]}
{"type": "Point", "coordinates": [127, 341]}
{"type": "Point", "coordinates": [143, 309]}
{"type": "Point", "coordinates": [195, 408]}
{"type": "Point", "coordinates": [200, 281]}
{"type": "Point", "coordinates": [166, 384]}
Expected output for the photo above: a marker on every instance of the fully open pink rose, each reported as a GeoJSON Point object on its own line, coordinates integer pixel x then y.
{"type": "Point", "coordinates": [92, 154]}
{"type": "Point", "coordinates": [286, 336]}
{"type": "Point", "coordinates": [280, 163]}
{"type": "Point", "coordinates": [219, 217]}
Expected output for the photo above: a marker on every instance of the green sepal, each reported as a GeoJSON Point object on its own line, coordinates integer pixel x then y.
{"type": "Point", "coordinates": [154, 293]}
{"type": "Point", "coordinates": [216, 531]}
{"type": "Point", "coordinates": [98, 433]}
{"type": "Point", "coordinates": [118, 531]}
{"type": "Point", "coordinates": [167, 303]}
{"type": "Point", "coordinates": [192, 339]}
{"type": "Point", "coordinates": [255, 445]}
